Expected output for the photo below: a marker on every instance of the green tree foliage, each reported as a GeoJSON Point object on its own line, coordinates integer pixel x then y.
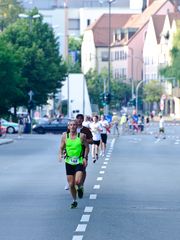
{"type": "Point", "coordinates": [11, 82]}
{"type": "Point", "coordinates": [34, 42]}
{"type": "Point", "coordinates": [173, 71]}
{"type": "Point", "coordinates": [153, 91]}
{"type": "Point", "coordinates": [95, 85]}
{"type": "Point", "coordinates": [9, 10]}
{"type": "Point", "coordinates": [74, 50]}
{"type": "Point", "coordinates": [120, 92]}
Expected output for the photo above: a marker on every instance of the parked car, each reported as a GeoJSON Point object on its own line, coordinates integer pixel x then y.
{"type": "Point", "coordinates": [2, 131]}
{"type": "Point", "coordinates": [51, 127]}
{"type": "Point", "coordinates": [11, 127]}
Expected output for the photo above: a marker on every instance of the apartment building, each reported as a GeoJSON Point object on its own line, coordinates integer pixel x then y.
{"type": "Point", "coordinates": [72, 17]}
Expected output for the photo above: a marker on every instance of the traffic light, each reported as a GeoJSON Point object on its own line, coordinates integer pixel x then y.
{"type": "Point", "coordinates": [31, 104]}
{"type": "Point", "coordinates": [107, 98]}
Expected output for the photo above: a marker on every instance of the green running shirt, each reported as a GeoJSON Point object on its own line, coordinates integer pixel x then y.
{"type": "Point", "coordinates": [73, 150]}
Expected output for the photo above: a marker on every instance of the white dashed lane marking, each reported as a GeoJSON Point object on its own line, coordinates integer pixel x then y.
{"type": "Point", "coordinates": [77, 237]}
{"type": "Point", "coordinates": [103, 167]}
{"type": "Point", "coordinates": [88, 209]}
{"type": "Point", "coordinates": [81, 228]}
{"type": "Point", "coordinates": [85, 218]}
{"type": "Point", "coordinates": [93, 196]}
{"type": "Point", "coordinates": [99, 178]}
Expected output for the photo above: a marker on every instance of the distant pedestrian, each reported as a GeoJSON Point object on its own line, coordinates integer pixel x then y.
{"type": "Point", "coordinates": [105, 129]}
{"type": "Point", "coordinates": [161, 128]}
{"type": "Point", "coordinates": [96, 129]}
{"type": "Point", "coordinates": [20, 125]}
{"type": "Point", "coordinates": [115, 123]}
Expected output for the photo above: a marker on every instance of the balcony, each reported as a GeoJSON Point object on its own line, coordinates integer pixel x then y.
{"type": "Point", "coordinates": [176, 92]}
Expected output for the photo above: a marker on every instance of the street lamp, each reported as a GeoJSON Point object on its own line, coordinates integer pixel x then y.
{"type": "Point", "coordinates": [109, 50]}
{"type": "Point", "coordinates": [26, 16]}
{"type": "Point", "coordinates": [137, 89]}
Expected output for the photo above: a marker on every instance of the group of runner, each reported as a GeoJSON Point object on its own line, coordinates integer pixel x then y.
{"type": "Point", "coordinates": [74, 149]}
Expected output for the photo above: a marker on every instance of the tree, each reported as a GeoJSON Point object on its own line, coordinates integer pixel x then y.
{"type": "Point", "coordinates": [9, 10]}
{"type": "Point", "coordinates": [34, 42]}
{"type": "Point", "coordinates": [11, 81]}
{"type": "Point", "coordinates": [74, 58]}
{"type": "Point", "coordinates": [153, 91]}
{"type": "Point", "coordinates": [173, 71]}
{"type": "Point", "coordinates": [119, 92]}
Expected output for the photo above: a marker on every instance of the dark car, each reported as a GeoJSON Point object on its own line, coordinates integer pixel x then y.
{"type": "Point", "coordinates": [56, 126]}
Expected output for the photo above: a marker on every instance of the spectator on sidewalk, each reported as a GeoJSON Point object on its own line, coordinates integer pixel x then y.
{"type": "Point", "coordinates": [20, 125]}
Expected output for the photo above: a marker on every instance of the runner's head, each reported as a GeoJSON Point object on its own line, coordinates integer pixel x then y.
{"type": "Point", "coordinates": [79, 119]}
{"type": "Point", "coordinates": [72, 126]}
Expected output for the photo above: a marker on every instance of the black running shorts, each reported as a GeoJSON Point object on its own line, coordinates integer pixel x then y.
{"type": "Point", "coordinates": [104, 137]}
{"type": "Point", "coordinates": [72, 169]}
{"type": "Point", "coordinates": [96, 142]}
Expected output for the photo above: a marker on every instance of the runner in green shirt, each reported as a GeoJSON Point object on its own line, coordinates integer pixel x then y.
{"type": "Point", "coordinates": [75, 162]}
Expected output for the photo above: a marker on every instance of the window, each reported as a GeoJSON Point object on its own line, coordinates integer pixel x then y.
{"type": "Point", "coordinates": [104, 56]}
{"type": "Point", "coordinates": [116, 55]}
{"type": "Point", "coordinates": [74, 24]}
{"type": "Point", "coordinates": [88, 22]}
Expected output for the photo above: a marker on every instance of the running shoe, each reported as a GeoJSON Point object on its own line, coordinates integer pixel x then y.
{"type": "Point", "coordinates": [66, 187]}
{"type": "Point", "coordinates": [80, 192]}
{"type": "Point", "coordinates": [97, 156]}
{"type": "Point", "coordinates": [74, 204]}
{"type": "Point", "coordinates": [94, 160]}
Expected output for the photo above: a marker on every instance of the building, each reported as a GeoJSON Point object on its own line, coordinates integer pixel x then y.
{"type": "Point", "coordinates": [72, 17]}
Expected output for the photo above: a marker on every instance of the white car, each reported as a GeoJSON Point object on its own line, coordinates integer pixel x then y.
{"type": "Point", "coordinates": [11, 127]}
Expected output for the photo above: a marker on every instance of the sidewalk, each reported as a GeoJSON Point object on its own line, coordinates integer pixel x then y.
{"type": "Point", "coordinates": [5, 140]}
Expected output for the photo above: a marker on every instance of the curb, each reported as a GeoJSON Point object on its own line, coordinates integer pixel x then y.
{"type": "Point", "coordinates": [6, 141]}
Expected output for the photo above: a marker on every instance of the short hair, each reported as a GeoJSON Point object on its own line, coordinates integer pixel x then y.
{"type": "Point", "coordinates": [80, 115]}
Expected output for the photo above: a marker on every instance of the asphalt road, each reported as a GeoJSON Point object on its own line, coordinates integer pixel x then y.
{"type": "Point", "coordinates": [132, 193]}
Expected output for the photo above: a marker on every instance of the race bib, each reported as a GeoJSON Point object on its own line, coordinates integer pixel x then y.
{"type": "Point", "coordinates": [74, 160]}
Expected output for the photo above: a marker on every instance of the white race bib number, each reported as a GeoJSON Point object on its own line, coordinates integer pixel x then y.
{"type": "Point", "coordinates": [74, 160]}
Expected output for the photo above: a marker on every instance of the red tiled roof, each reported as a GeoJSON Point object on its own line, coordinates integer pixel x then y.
{"type": "Point", "coordinates": [101, 27]}
{"type": "Point", "coordinates": [158, 21]}
{"type": "Point", "coordinates": [140, 20]}
{"type": "Point", "coordinates": [174, 16]}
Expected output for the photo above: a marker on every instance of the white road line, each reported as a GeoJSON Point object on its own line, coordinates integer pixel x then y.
{"type": "Point", "coordinates": [85, 218]}
{"type": "Point", "coordinates": [102, 172]}
{"type": "Point", "coordinates": [96, 187]}
{"type": "Point", "coordinates": [176, 143]}
{"type": "Point", "coordinates": [93, 196]}
{"type": "Point", "coordinates": [105, 163]}
{"type": "Point", "coordinates": [99, 178]}
{"type": "Point", "coordinates": [106, 159]}
{"type": "Point", "coordinates": [81, 228]}
{"type": "Point", "coordinates": [88, 209]}
{"type": "Point", "coordinates": [79, 237]}
{"type": "Point", "coordinates": [103, 167]}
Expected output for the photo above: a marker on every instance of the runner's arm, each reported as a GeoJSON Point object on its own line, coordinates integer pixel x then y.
{"type": "Point", "coordinates": [62, 147]}
{"type": "Point", "coordinates": [86, 151]}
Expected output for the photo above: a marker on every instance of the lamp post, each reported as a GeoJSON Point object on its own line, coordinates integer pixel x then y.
{"type": "Point", "coordinates": [137, 89]}
{"type": "Point", "coordinates": [109, 51]}
{"type": "Point", "coordinates": [132, 72]}
{"type": "Point", "coordinates": [26, 16]}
